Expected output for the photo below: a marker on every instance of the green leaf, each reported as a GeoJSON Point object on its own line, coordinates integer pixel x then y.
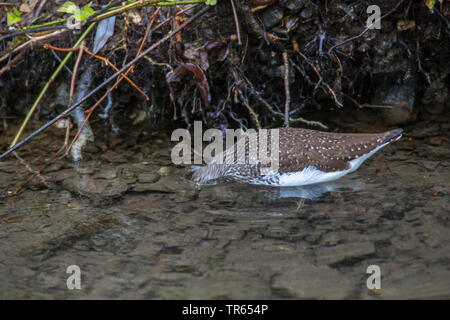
{"type": "Point", "coordinates": [79, 14]}
{"type": "Point", "coordinates": [211, 2]}
{"type": "Point", "coordinates": [430, 4]}
{"type": "Point", "coordinates": [69, 7]}
{"type": "Point", "coordinates": [86, 12]}
{"type": "Point", "coordinates": [13, 17]}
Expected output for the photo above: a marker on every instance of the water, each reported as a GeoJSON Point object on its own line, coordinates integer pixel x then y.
{"type": "Point", "coordinates": [137, 228]}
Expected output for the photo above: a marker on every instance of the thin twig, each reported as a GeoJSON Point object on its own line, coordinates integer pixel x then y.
{"type": "Point", "coordinates": [442, 17]}
{"type": "Point", "coordinates": [125, 67]}
{"type": "Point", "coordinates": [243, 99]}
{"type": "Point", "coordinates": [309, 122]}
{"type": "Point", "coordinates": [12, 63]}
{"type": "Point", "coordinates": [107, 94]}
{"type": "Point", "coordinates": [419, 63]}
{"type": "Point", "coordinates": [47, 85]}
{"type": "Point", "coordinates": [18, 33]}
{"type": "Point", "coordinates": [38, 11]}
{"type": "Point", "coordinates": [321, 82]}
{"type": "Point", "coordinates": [257, 95]}
{"type": "Point", "coordinates": [60, 61]}
{"type": "Point", "coordinates": [365, 30]}
{"type": "Point", "coordinates": [31, 42]}
{"type": "Point", "coordinates": [106, 61]}
{"type": "Point", "coordinates": [236, 22]}
{"type": "Point", "coordinates": [286, 89]}
{"type": "Point", "coordinates": [75, 69]}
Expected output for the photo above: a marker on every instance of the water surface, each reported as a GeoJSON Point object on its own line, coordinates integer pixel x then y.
{"type": "Point", "coordinates": [137, 228]}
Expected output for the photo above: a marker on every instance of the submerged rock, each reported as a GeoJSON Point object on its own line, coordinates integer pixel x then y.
{"type": "Point", "coordinates": [301, 282]}
{"type": "Point", "coordinates": [100, 191]}
{"type": "Point", "coordinates": [344, 253]}
{"type": "Point", "coordinates": [307, 12]}
{"type": "Point", "coordinates": [293, 5]}
{"type": "Point", "coordinates": [436, 97]}
{"type": "Point", "coordinates": [395, 79]}
{"type": "Point", "coordinates": [400, 98]}
{"type": "Point", "coordinates": [148, 177]}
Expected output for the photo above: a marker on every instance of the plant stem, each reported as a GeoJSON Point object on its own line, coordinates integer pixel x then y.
{"type": "Point", "coordinates": [47, 85]}
{"type": "Point", "coordinates": [118, 73]}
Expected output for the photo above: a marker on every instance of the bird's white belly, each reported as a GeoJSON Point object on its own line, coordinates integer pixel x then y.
{"type": "Point", "coordinates": [311, 175]}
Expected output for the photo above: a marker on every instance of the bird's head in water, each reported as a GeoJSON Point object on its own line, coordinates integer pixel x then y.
{"type": "Point", "coordinates": [211, 172]}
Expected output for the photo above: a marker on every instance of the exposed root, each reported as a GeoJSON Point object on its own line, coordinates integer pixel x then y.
{"type": "Point", "coordinates": [253, 92]}
{"type": "Point", "coordinates": [79, 116]}
{"type": "Point", "coordinates": [236, 22]}
{"type": "Point", "coordinates": [309, 122]}
{"type": "Point", "coordinates": [34, 172]}
{"type": "Point", "coordinates": [369, 27]}
{"type": "Point", "coordinates": [320, 82]}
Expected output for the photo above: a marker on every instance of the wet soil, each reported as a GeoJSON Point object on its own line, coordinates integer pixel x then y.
{"type": "Point", "coordinates": [138, 228]}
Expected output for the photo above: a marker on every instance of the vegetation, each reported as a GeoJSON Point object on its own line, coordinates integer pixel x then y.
{"type": "Point", "coordinates": [243, 64]}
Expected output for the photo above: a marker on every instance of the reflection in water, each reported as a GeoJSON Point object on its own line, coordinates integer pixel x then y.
{"type": "Point", "coordinates": [310, 192]}
{"type": "Point", "coordinates": [315, 191]}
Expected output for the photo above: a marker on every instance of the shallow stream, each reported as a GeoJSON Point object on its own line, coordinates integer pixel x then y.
{"type": "Point", "coordinates": [137, 228]}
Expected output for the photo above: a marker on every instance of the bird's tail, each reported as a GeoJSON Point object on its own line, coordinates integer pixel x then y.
{"type": "Point", "coordinates": [392, 135]}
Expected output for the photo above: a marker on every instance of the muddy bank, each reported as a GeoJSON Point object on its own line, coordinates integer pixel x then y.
{"type": "Point", "coordinates": [306, 55]}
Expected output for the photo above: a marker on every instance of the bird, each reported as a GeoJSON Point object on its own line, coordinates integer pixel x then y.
{"type": "Point", "coordinates": [303, 157]}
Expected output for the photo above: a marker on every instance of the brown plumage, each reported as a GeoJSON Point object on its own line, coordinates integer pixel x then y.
{"type": "Point", "coordinates": [298, 149]}
{"type": "Point", "coordinates": [326, 151]}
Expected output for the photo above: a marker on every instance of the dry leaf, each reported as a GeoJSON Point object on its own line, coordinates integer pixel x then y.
{"type": "Point", "coordinates": [403, 25]}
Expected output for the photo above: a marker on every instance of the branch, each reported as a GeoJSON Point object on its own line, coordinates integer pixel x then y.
{"type": "Point", "coordinates": [124, 68]}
